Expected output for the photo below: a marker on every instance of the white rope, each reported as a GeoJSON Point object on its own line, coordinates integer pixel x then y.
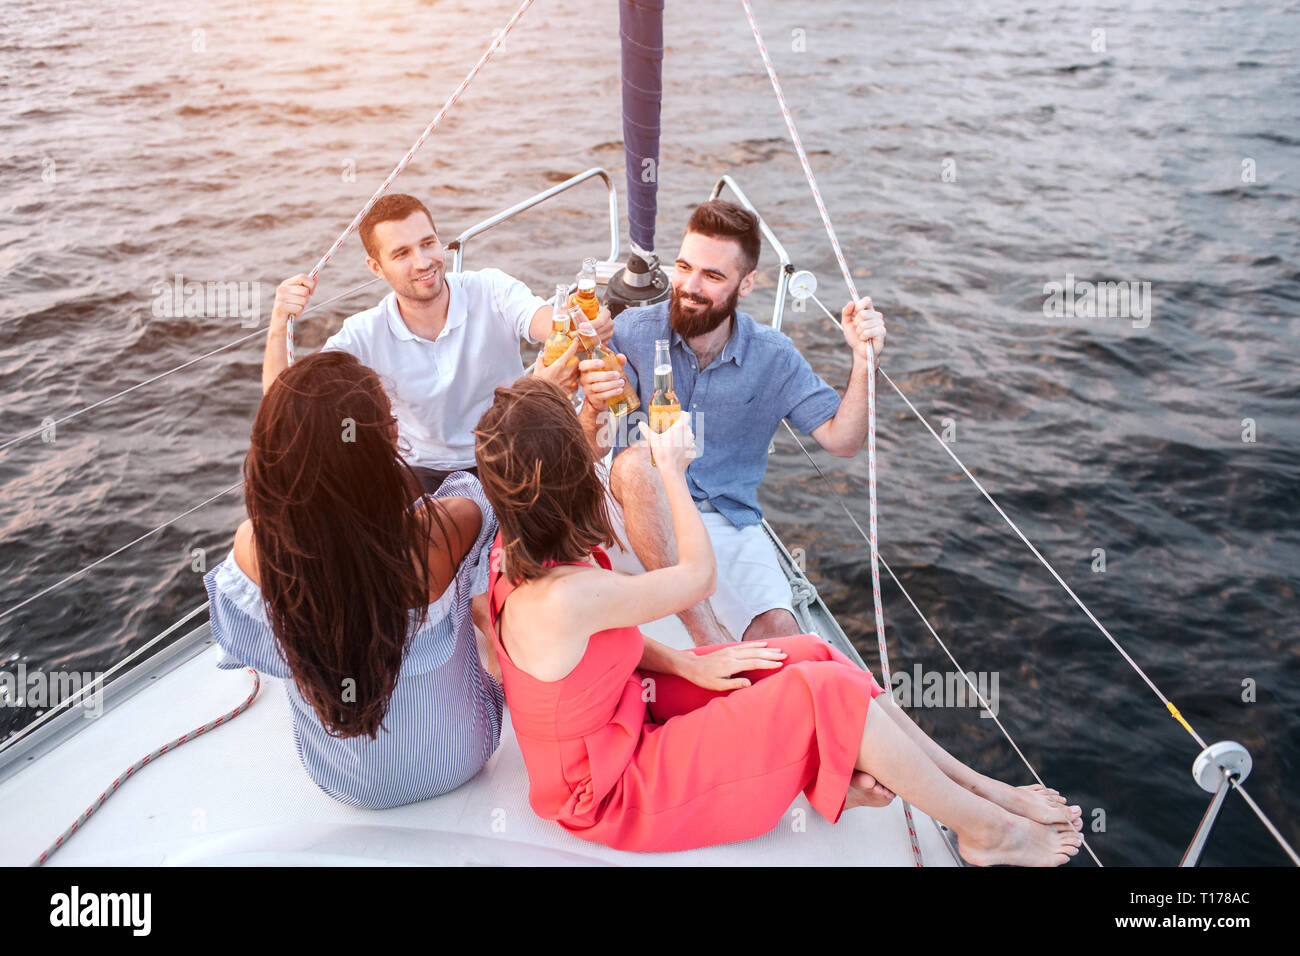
{"type": "Point", "coordinates": [1168, 704]}
{"type": "Point", "coordinates": [194, 361]}
{"type": "Point", "coordinates": [76, 574]}
{"type": "Point", "coordinates": [924, 620]}
{"type": "Point", "coordinates": [406, 160]}
{"type": "Point", "coordinates": [1038, 554]}
{"type": "Point", "coordinates": [871, 383]}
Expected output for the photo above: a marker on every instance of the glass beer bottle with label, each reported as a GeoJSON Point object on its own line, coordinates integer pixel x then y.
{"type": "Point", "coordinates": [592, 349]}
{"type": "Point", "coordinates": [562, 319]}
{"type": "Point", "coordinates": [585, 298]}
{"type": "Point", "coordinates": [559, 338]}
{"type": "Point", "coordinates": [664, 406]}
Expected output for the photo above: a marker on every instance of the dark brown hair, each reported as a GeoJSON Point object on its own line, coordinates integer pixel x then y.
{"type": "Point", "coordinates": [539, 473]}
{"type": "Point", "coordinates": [329, 497]}
{"type": "Point", "coordinates": [720, 219]}
{"type": "Point", "coordinates": [395, 207]}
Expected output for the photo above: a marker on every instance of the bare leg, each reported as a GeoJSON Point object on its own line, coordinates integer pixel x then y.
{"type": "Point", "coordinates": [649, 524]}
{"type": "Point", "coordinates": [987, 834]}
{"type": "Point", "coordinates": [777, 622]}
{"type": "Point", "coordinates": [1035, 803]}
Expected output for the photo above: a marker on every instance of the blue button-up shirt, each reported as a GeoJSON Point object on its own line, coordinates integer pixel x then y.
{"type": "Point", "coordinates": [736, 403]}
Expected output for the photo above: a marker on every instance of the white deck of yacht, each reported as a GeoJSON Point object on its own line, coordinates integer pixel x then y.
{"type": "Point", "coordinates": [238, 795]}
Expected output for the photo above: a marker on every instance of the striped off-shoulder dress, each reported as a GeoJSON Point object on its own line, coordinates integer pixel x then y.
{"type": "Point", "coordinates": [444, 718]}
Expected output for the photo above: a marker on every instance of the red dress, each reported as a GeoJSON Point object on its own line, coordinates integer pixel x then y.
{"type": "Point", "coordinates": [652, 762]}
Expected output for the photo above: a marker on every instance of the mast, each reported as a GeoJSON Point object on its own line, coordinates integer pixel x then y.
{"type": "Point", "coordinates": [641, 26]}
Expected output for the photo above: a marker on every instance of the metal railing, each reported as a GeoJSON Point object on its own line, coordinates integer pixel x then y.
{"type": "Point", "coordinates": [787, 270]}
{"type": "Point", "coordinates": [457, 246]}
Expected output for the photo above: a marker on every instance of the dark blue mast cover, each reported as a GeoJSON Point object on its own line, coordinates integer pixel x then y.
{"type": "Point", "coordinates": [641, 23]}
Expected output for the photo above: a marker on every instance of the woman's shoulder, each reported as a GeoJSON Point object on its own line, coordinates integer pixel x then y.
{"type": "Point", "coordinates": [464, 514]}
{"type": "Point", "coordinates": [236, 580]}
{"type": "Point", "coordinates": [245, 552]}
{"type": "Point", "coordinates": [556, 600]}
{"type": "Point", "coordinates": [237, 613]}
{"type": "Point", "coordinates": [460, 537]}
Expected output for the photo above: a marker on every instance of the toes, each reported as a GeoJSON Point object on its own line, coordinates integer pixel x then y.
{"type": "Point", "coordinates": [1069, 836]}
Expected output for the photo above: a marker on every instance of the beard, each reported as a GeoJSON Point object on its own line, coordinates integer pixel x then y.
{"type": "Point", "coordinates": [410, 289]}
{"type": "Point", "coordinates": [689, 324]}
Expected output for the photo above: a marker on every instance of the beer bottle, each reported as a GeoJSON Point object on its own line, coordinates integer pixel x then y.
{"type": "Point", "coordinates": [559, 338]}
{"type": "Point", "coordinates": [628, 401]}
{"type": "Point", "coordinates": [586, 296]}
{"type": "Point", "coordinates": [664, 406]}
{"type": "Point", "coordinates": [562, 319]}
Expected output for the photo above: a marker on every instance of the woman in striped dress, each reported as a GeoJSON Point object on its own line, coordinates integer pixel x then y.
{"type": "Point", "coordinates": [358, 599]}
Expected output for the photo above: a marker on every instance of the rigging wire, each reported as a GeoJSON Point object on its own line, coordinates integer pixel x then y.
{"type": "Point", "coordinates": [871, 383]}
{"type": "Point", "coordinates": [194, 361]}
{"type": "Point", "coordinates": [98, 561]}
{"type": "Point", "coordinates": [1263, 818]}
{"type": "Point", "coordinates": [101, 680]}
{"type": "Point", "coordinates": [871, 455]}
{"type": "Point", "coordinates": [1038, 554]}
{"type": "Point", "coordinates": [924, 620]}
{"type": "Point", "coordinates": [406, 160]}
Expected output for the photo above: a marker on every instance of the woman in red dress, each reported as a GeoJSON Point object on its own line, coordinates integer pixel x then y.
{"type": "Point", "coordinates": [642, 747]}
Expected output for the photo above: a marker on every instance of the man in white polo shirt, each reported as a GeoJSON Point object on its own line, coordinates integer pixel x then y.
{"type": "Point", "coordinates": [441, 342]}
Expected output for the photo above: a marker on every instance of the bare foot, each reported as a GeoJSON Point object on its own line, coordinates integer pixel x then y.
{"type": "Point", "coordinates": [1076, 811]}
{"type": "Point", "coordinates": [1016, 841]}
{"type": "Point", "coordinates": [866, 791]}
{"type": "Point", "coordinates": [1033, 802]}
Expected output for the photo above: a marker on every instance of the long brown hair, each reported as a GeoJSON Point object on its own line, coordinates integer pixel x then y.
{"type": "Point", "coordinates": [329, 497]}
{"type": "Point", "coordinates": [539, 474]}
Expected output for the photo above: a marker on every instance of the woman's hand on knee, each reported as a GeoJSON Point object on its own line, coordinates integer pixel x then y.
{"type": "Point", "coordinates": [717, 670]}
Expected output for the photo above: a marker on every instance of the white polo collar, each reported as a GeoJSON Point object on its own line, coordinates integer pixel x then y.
{"type": "Point", "coordinates": [456, 312]}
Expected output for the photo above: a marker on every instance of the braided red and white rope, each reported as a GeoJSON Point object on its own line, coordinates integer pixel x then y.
{"type": "Point", "coordinates": [406, 160]}
{"type": "Point", "coordinates": [165, 748]}
{"type": "Point", "coordinates": [871, 380]}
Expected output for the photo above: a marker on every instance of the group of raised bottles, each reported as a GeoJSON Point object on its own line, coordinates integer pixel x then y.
{"type": "Point", "coordinates": [573, 316]}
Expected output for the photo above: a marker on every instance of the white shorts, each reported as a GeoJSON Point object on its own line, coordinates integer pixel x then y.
{"type": "Point", "coordinates": [750, 579]}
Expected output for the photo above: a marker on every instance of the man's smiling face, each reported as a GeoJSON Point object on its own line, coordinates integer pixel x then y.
{"type": "Point", "coordinates": [411, 257]}
{"type": "Point", "coordinates": [707, 281]}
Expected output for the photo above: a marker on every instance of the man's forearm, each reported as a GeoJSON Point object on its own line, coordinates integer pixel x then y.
{"type": "Point", "coordinates": [540, 325]}
{"type": "Point", "coordinates": [849, 426]}
{"type": "Point", "coordinates": [276, 359]}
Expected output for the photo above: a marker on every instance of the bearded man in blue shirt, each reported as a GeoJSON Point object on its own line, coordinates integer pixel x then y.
{"type": "Point", "coordinates": [738, 379]}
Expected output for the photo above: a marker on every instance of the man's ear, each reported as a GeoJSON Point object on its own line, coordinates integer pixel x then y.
{"type": "Point", "coordinates": [373, 264]}
{"type": "Point", "coordinates": [747, 284]}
